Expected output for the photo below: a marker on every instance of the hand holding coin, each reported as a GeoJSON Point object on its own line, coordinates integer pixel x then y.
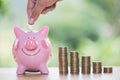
{"type": "Point", "coordinates": [37, 7]}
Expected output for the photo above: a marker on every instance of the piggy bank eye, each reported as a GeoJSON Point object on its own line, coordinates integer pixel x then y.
{"type": "Point", "coordinates": [28, 37]}
{"type": "Point", "coordinates": [33, 37]}
{"type": "Point", "coordinates": [44, 44]}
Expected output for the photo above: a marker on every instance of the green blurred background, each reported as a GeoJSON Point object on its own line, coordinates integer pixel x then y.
{"type": "Point", "coordinates": [91, 27]}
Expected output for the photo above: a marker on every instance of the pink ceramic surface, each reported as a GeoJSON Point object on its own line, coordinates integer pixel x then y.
{"type": "Point", "coordinates": [32, 50]}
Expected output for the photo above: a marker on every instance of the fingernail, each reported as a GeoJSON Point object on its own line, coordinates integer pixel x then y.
{"type": "Point", "coordinates": [31, 21]}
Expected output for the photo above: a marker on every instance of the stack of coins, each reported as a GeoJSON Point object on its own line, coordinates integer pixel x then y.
{"type": "Point", "coordinates": [74, 62]}
{"type": "Point", "coordinates": [86, 64]}
{"type": "Point", "coordinates": [97, 67]}
{"type": "Point", "coordinates": [107, 69]}
{"type": "Point", "coordinates": [63, 60]}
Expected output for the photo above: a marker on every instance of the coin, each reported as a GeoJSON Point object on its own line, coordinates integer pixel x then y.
{"type": "Point", "coordinates": [97, 64]}
{"type": "Point", "coordinates": [74, 62]}
{"type": "Point", "coordinates": [63, 60]}
{"type": "Point", "coordinates": [86, 65]}
{"type": "Point", "coordinates": [97, 67]}
{"type": "Point", "coordinates": [30, 27]}
{"type": "Point", "coordinates": [108, 70]}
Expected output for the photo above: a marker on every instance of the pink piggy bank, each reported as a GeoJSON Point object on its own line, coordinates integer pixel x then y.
{"type": "Point", "coordinates": [32, 50]}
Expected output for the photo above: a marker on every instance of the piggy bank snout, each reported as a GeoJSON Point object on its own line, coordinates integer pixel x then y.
{"type": "Point", "coordinates": [31, 45]}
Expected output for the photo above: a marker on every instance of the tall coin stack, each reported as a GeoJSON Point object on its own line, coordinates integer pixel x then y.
{"type": "Point", "coordinates": [86, 64]}
{"type": "Point", "coordinates": [63, 60]}
{"type": "Point", "coordinates": [97, 67]}
{"type": "Point", "coordinates": [74, 62]}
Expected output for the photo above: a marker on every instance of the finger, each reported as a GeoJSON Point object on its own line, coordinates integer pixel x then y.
{"type": "Point", "coordinates": [30, 6]}
{"type": "Point", "coordinates": [50, 8]}
{"type": "Point", "coordinates": [47, 9]}
{"type": "Point", "coordinates": [36, 12]}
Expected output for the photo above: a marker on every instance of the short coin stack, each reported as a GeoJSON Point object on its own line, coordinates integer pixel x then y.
{"type": "Point", "coordinates": [63, 60]}
{"type": "Point", "coordinates": [107, 69]}
{"type": "Point", "coordinates": [74, 62]}
{"type": "Point", "coordinates": [97, 67]}
{"type": "Point", "coordinates": [86, 64]}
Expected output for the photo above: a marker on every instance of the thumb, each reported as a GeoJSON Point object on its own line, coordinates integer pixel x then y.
{"type": "Point", "coordinates": [35, 13]}
{"type": "Point", "coordinates": [47, 9]}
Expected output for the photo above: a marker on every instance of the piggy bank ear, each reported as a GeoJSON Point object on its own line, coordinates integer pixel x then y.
{"type": "Point", "coordinates": [18, 32]}
{"type": "Point", "coordinates": [44, 31]}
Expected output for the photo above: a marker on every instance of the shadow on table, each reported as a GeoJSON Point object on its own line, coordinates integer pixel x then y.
{"type": "Point", "coordinates": [32, 77]}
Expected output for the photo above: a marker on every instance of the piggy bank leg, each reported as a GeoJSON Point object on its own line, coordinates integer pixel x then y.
{"type": "Point", "coordinates": [21, 69]}
{"type": "Point", "coordinates": [43, 69]}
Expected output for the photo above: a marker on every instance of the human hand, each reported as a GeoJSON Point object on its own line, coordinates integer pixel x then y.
{"type": "Point", "coordinates": [37, 7]}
